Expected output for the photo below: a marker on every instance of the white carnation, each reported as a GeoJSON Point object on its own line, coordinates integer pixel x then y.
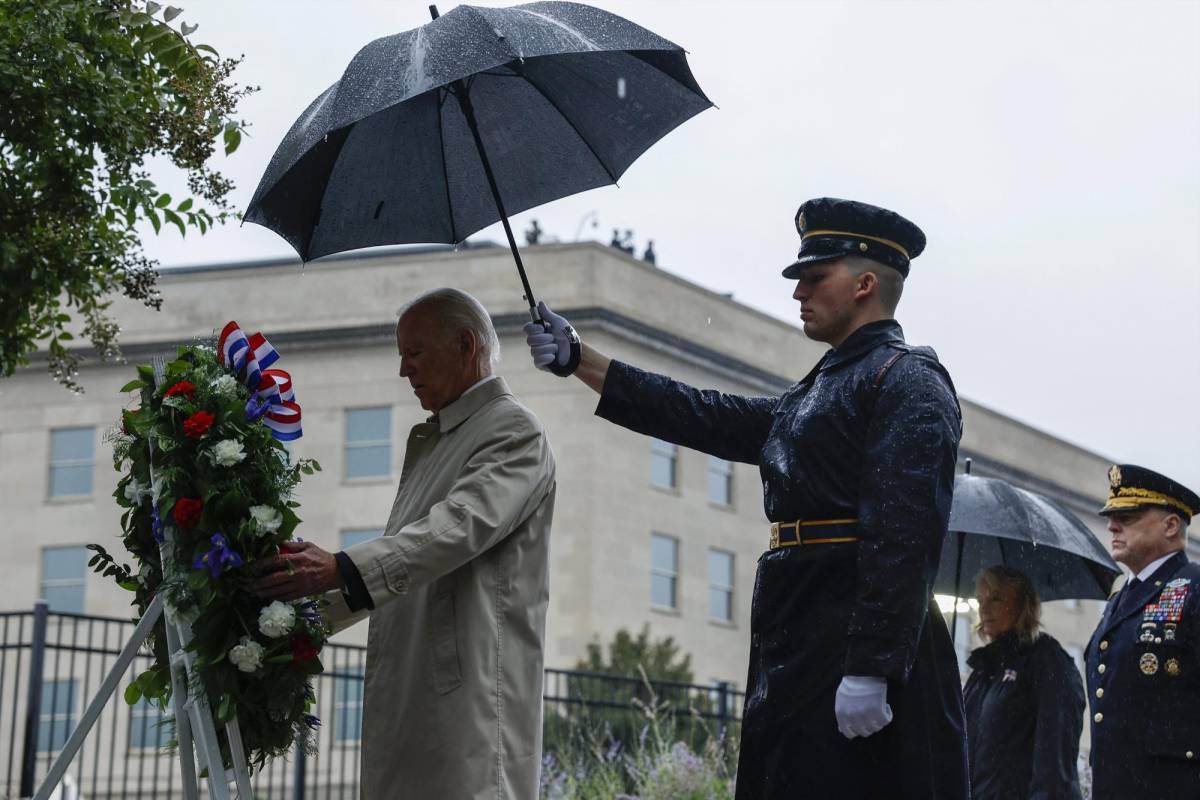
{"type": "Point", "coordinates": [225, 386]}
{"type": "Point", "coordinates": [135, 490]}
{"type": "Point", "coordinates": [226, 453]}
{"type": "Point", "coordinates": [247, 654]}
{"type": "Point", "coordinates": [276, 619]}
{"type": "Point", "coordinates": [267, 518]}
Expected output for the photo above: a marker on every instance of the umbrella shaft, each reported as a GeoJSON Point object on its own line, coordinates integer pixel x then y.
{"type": "Point", "coordinates": [464, 102]}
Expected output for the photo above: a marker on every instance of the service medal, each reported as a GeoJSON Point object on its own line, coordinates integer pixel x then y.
{"type": "Point", "coordinates": [1172, 666]}
{"type": "Point", "coordinates": [1148, 663]}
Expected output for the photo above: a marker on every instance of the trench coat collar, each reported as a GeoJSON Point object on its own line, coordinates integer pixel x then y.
{"type": "Point", "coordinates": [468, 403]}
{"type": "Point", "coordinates": [863, 341]}
{"type": "Point", "coordinates": [1143, 594]}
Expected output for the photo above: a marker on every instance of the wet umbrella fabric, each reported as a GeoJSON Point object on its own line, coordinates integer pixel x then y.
{"type": "Point", "coordinates": [993, 522]}
{"type": "Point", "coordinates": [565, 97]}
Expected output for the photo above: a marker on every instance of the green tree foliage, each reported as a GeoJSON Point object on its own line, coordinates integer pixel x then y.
{"type": "Point", "coordinates": [92, 88]}
{"type": "Point", "coordinates": [630, 656]}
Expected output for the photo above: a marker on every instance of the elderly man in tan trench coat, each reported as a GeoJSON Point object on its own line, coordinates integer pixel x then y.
{"type": "Point", "coordinates": [456, 588]}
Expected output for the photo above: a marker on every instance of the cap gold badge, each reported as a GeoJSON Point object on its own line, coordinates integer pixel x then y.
{"type": "Point", "coordinates": [1114, 476]}
{"type": "Point", "coordinates": [800, 221]}
{"type": "Point", "coordinates": [1148, 663]}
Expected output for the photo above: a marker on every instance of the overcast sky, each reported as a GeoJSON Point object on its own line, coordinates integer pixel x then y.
{"type": "Point", "coordinates": [1050, 151]}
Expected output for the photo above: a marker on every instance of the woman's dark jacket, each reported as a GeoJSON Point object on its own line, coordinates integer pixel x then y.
{"type": "Point", "coordinates": [1024, 706]}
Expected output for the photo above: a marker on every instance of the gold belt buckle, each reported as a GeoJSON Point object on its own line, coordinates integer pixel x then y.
{"type": "Point", "coordinates": [777, 526]}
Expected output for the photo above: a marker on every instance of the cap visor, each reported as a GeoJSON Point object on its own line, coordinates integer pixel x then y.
{"type": "Point", "coordinates": [793, 270]}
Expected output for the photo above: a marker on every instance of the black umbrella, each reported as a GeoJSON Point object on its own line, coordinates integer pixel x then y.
{"type": "Point", "coordinates": [437, 132]}
{"type": "Point", "coordinates": [993, 522]}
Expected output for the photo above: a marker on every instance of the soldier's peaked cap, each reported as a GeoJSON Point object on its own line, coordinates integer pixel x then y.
{"type": "Point", "coordinates": [1132, 488]}
{"type": "Point", "coordinates": [831, 228]}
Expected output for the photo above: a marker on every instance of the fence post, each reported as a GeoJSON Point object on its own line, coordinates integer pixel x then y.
{"type": "Point", "coordinates": [299, 770]}
{"type": "Point", "coordinates": [722, 709]}
{"type": "Point", "coordinates": [33, 703]}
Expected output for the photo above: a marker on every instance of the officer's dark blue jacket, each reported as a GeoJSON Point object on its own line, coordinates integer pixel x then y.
{"type": "Point", "coordinates": [1144, 689]}
{"type": "Point", "coordinates": [870, 433]}
{"type": "Point", "coordinates": [1024, 704]}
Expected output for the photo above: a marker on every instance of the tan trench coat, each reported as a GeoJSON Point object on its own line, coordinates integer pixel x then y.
{"type": "Point", "coordinates": [452, 707]}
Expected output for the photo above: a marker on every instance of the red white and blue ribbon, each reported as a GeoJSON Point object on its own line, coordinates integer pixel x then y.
{"type": "Point", "coordinates": [250, 358]}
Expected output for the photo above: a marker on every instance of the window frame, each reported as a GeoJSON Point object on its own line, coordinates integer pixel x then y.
{"type": "Point", "coordinates": [71, 463]}
{"type": "Point", "coordinates": [45, 582]}
{"type": "Point", "coordinates": [50, 715]}
{"type": "Point", "coordinates": [349, 445]}
{"type": "Point", "coordinates": [673, 577]}
{"type": "Point", "coordinates": [671, 455]}
{"type": "Point", "coordinates": [353, 676]}
{"type": "Point", "coordinates": [713, 471]}
{"type": "Point", "coordinates": [729, 590]}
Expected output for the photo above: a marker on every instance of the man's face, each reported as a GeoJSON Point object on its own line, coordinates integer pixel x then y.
{"type": "Point", "coordinates": [433, 360]}
{"type": "Point", "coordinates": [1139, 537]}
{"type": "Point", "coordinates": [826, 292]}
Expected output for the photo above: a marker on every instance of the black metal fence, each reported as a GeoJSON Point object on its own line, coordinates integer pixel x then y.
{"type": "Point", "coordinates": [52, 665]}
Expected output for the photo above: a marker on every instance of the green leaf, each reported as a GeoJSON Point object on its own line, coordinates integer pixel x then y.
{"type": "Point", "coordinates": [154, 220]}
{"type": "Point", "coordinates": [129, 586]}
{"type": "Point", "coordinates": [171, 13]}
{"type": "Point", "coordinates": [187, 30]}
{"type": "Point", "coordinates": [152, 7]}
{"type": "Point", "coordinates": [137, 383]}
{"type": "Point", "coordinates": [133, 693]}
{"type": "Point", "coordinates": [185, 205]}
{"type": "Point", "coordinates": [163, 200]}
{"type": "Point", "coordinates": [175, 220]}
{"type": "Point", "coordinates": [233, 138]}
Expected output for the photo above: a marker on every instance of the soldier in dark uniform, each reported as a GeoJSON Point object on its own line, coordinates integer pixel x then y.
{"type": "Point", "coordinates": [1143, 662]}
{"type": "Point", "coordinates": [853, 688]}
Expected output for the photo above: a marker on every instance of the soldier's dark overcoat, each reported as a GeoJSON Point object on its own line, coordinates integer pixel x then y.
{"type": "Point", "coordinates": [870, 433]}
{"type": "Point", "coordinates": [1144, 689]}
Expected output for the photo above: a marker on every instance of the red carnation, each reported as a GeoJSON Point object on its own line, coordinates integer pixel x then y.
{"type": "Point", "coordinates": [183, 387]}
{"type": "Point", "coordinates": [197, 424]}
{"type": "Point", "coordinates": [303, 648]}
{"type": "Point", "coordinates": [187, 511]}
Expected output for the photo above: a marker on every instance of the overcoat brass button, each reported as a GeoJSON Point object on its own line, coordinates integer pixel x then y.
{"type": "Point", "coordinates": [1104, 645]}
{"type": "Point", "coordinates": [1190, 754]}
{"type": "Point", "coordinates": [1101, 669]}
{"type": "Point", "coordinates": [862, 246]}
{"type": "Point", "coordinates": [1098, 718]}
{"type": "Point", "coordinates": [1099, 693]}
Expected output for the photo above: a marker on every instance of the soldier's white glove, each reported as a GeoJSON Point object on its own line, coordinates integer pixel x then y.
{"type": "Point", "coordinates": [861, 706]}
{"type": "Point", "coordinates": [551, 347]}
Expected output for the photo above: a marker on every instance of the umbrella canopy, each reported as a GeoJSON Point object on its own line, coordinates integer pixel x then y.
{"type": "Point", "coordinates": [993, 522]}
{"type": "Point", "coordinates": [558, 97]}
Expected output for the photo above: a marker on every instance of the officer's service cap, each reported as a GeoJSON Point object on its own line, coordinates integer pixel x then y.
{"type": "Point", "coordinates": [1131, 488]}
{"type": "Point", "coordinates": [831, 228]}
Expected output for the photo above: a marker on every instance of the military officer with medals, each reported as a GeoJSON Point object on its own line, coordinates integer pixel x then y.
{"type": "Point", "coordinates": [853, 688]}
{"type": "Point", "coordinates": [1143, 662]}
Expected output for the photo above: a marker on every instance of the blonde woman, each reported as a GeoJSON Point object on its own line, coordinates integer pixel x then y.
{"type": "Point", "coordinates": [1024, 700]}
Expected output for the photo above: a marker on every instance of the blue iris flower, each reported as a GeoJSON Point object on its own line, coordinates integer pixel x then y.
{"type": "Point", "coordinates": [256, 407]}
{"type": "Point", "coordinates": [311, 721]}
{"type": "Point", "coordinates": [156, 526]}
{"type": "Point", "coordinates": [219, 558]}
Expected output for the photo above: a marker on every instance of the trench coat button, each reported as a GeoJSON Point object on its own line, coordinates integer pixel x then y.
{"type": "Point", "coordinates": [1158, 583]}
{"type": "Point", "coordinates": [1099, 693]}
{"type": "Point", "coordinates": [1104, 645]}
{"type": "Point", "coordinates": [1101, 669]}
{"type": "Point", "coordinates": [1098, 718]}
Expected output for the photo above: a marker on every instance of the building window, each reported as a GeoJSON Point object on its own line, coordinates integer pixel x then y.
{"type": "Point", "coordinates": [664, 460]}
{"type": "Point", "coordinates": [72, 456]}
{"type": "Point", "coordinates": [720, 585]}
{"type": "Point", "coordinates": [347, 706]}
{"type": "Point", "coordinates": [369, 442]}
{"type": "Point", "coordinates": [149, 725]}
{"type": "Point", "coordinates": [720, 481]}
{"type": "Point", "coordinates": [64, 573]}
{"type": "Point", "coordinates": [57, 718]}
{"type": "Point", "coordinates": [354, 536]}
{"type": "Point", "coordinates": [664, 570]}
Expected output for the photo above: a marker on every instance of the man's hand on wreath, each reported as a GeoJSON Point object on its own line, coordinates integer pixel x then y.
{"type": "Point", "coordinates": [301, 569]}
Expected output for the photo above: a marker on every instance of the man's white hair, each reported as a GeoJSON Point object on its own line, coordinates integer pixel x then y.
{"type": "Point", "coordinates": [455, 310]}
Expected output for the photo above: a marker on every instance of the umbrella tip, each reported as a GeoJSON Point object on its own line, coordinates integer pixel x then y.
{"type": "Point", "coordinates": [967, 467]}
{"type": "Point", "coordinates": [433, 12]}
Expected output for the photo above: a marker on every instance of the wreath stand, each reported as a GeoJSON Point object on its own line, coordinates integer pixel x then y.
{"type": "Point", "coordinates": [194, 722]}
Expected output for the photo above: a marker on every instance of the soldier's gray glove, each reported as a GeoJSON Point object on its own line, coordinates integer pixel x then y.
{"type": "Point", "coordinates": [861, 706]}
{"type": "Point", "coordinates": [553, 343]}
